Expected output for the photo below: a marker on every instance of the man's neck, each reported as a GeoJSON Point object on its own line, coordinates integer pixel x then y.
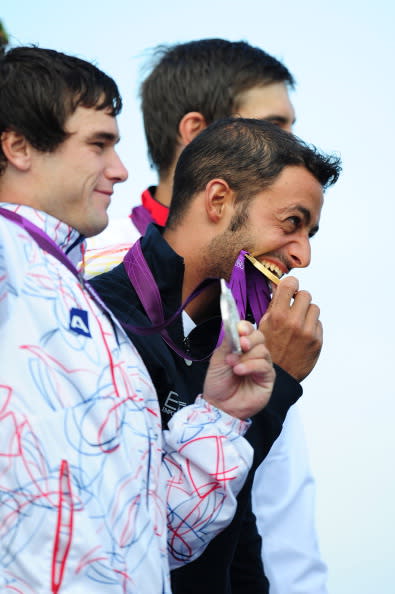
{"type": "Point", "coordinates": [204, 305]}
{"type": "Point", "coordinates": [164, 188]}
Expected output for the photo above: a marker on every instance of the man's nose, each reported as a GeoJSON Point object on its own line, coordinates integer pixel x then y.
{"type": "Point", "coordinates": [300, 252]}
{"type": "Point", "coordinates": [116, 170]}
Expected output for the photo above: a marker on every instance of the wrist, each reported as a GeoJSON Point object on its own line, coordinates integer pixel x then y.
{"type": "Point", "coordinates": [226, 414]}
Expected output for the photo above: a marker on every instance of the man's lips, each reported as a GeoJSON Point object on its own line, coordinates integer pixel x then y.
{"type": "Point", "coordinates": [105, 192]}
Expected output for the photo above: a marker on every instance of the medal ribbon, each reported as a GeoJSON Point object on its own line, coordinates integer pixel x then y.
{"type": "Point", "coordinates": [247, 287]}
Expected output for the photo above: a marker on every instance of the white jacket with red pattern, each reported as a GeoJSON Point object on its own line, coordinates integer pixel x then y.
{"type": "Point", "coordinates": [94, 496]}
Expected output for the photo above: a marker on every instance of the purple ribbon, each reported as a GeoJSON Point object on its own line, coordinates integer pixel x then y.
{"type": "Point", "coordinates": [40, 237]}
{"type": "Point", "coordinates": [247, 286]}
{"type": "Point", "coordinates": [48, 245]}
{"type": "Point", "coordinates": [147, 290]}
{"type": "Point", "coordinates": [141, 218]}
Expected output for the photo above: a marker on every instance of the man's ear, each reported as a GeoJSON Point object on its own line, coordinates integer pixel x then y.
{"type": "Point", "coordinates": [190, 125]}
{"type": "Point", "coordinates": [17, 150]}
{"type": "Point", "coordinates": [219, 201]}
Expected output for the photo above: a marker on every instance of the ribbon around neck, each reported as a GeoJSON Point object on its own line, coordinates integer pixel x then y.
{"type": "Point", "coordinates": [141, 218]}
{"type": "Point", "coordinates": [249, 288]}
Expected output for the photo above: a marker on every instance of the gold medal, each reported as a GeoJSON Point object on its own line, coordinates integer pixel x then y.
{"type": "Point", "coordinates": [268, 273]}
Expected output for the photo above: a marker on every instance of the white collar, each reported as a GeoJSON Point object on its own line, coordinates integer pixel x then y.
{"type": "Point", "coordinates": [66, 237]}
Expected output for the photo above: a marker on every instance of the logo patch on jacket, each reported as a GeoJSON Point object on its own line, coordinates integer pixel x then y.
{"type": "Point", "coordinates": [79, 322]}
{"type": "Point", "coordinates": [173, 403]}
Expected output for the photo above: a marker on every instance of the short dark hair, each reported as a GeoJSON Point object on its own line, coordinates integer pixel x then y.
{"type": "Point", "coordinates": [207, 76]}
{"type": "Point", "coordinates": [39, 90]}
{"type": "Point", "coordinates": [249, 155]}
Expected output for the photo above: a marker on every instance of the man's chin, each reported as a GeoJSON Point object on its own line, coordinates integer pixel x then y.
{"type": "Point", "coordinates": [95, 227]}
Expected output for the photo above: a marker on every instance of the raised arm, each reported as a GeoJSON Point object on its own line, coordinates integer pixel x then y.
{"type": "Point", "coordinates": [206, 458]}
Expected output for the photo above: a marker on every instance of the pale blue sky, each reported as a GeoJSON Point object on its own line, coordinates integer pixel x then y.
{"type": "Point", "coordinates": [342, 55]}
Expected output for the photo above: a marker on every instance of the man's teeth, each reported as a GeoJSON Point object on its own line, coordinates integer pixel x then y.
{"type": "Point", "coordinates": [273, 268]}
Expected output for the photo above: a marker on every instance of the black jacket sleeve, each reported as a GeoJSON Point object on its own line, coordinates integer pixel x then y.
{"type": "Point", "coordinates": [267, 424]}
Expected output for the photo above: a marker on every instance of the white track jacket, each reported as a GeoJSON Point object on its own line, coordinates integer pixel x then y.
{"type": "Point", "coordinates": [94, 496]}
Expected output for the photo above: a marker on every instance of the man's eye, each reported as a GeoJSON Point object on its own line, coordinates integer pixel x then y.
{"type": "Point", "coordinates": [295, 221]}
{"type": "Point", "coordinates": [99, 144]}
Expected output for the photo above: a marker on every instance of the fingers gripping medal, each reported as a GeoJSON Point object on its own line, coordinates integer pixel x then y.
{"type": "Point", "coordinates": [230, 317]}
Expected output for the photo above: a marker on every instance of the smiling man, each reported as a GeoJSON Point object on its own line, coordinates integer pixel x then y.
{"type": "Point", "coordinates": [94, 496]}
{"type": "Point", "coordinates": [275, 226]}
{"type": "Point", "coordinates": [81, 199]}
{"type": "Point", "coordinates": [240, 185]}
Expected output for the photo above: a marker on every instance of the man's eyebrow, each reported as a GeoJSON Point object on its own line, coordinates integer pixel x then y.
{"type": "Point", "coordinates": [105, 136]}
{"type": "Point", "coordinates": [307, 218]}
{"type": "Point", "coordinates": [305, 212]}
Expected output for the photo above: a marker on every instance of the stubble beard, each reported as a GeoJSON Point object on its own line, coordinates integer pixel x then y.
{"type": "Point", "coordinates": [222, 251]}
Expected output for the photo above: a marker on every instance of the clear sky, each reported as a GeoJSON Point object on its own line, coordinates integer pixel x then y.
{"type": "Point", "coordinates": [342, 55]}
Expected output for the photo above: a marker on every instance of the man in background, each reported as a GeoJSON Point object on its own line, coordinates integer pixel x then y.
{"type": "Point", "coordinates": [190, 86]}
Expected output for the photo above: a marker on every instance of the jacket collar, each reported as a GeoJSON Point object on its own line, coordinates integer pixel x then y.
{"type": "Point", "coordinates": [157, 210]}
{"type": "Point", "coordinates": [66, 237]}
{"type": "Point", "coordinates": [167, 268]}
